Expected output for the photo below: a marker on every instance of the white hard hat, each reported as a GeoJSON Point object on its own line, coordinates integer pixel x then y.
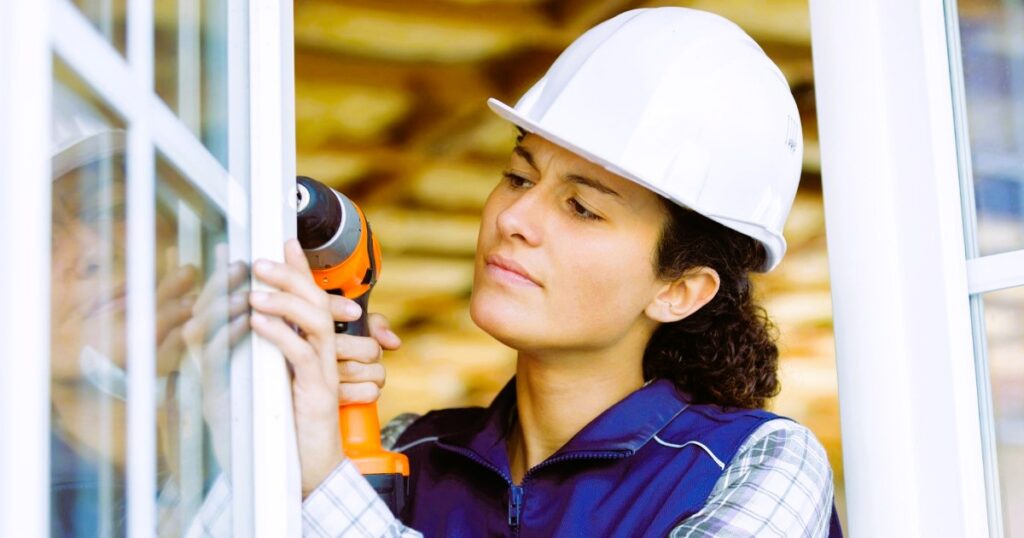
{"type": "Point", "coordinates": [80, 133]}
{"type": "Point", "coordinates": [684, 103]}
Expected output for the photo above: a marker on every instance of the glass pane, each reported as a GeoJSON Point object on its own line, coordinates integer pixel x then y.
{"type": "Point", "coordinates": [88, 302]}
{"type": "Point", "coordinates": [108, 16]}
{"type": "Point", "coordinates": [191, 67]}
{"type": "Point", "coordinates": [202, 313]}
{"type": "Point", "coordinates": [1004, 319]}
{"type": "Point", "coordinates": [992, 40]}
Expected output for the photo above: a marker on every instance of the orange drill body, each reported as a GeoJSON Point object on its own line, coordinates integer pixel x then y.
{"type": "Point", "coordinates": [345, 259]}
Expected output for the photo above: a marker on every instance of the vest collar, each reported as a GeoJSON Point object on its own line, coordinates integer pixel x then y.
{"type": "Point", "coordinates": [621, 429]}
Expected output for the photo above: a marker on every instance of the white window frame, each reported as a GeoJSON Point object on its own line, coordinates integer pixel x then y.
{"type": "Point", "coordinates": [265, 474]}
{"type": "Point", "coordinates": [25, 81]}
{"type": "Point", "coordinates": [915, 403]}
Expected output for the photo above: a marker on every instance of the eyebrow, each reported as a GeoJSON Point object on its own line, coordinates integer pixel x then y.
{"type": "Point", "coordinates": [574, 178]}
{"type": "Point", "coordinates": [522, 152]}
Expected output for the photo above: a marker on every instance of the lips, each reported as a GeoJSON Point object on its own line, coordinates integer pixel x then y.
{"type": "Point", "coordinates": [112, 304]}
{"type": "Point", "coordinates": [113, 300]}
{"type": "Point", "coordinates": [509, 269]}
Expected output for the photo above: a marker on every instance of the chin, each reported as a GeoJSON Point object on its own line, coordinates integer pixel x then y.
{"type": "Point", "coordinates": [502, 321]}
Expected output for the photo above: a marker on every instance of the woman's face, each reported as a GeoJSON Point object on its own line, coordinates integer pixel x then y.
{"type": "Point", "coordinates": [565, 254]}
{"type": "Point", "coordinates": [88, 271]}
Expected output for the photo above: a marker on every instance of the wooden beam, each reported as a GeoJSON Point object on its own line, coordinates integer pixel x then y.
{"type": "Point", "coordinates": [419, 31]}
{"type": "Point", "coordinates": [403, 231]}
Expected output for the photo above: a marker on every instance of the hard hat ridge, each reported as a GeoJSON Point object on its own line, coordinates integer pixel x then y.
{"type": "Point", "coordinates": [684, 103]}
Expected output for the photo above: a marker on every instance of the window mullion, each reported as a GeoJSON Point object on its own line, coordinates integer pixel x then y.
{"type": "Point", "coordinates": [276, 487]}
{"type": "Point", "coordinates": [141, 413]}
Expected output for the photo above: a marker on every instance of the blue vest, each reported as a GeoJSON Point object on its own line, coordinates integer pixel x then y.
{"type": "Point", "coordinates": [616, 477]}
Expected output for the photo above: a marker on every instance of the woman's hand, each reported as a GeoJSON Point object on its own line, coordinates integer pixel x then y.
{"type": "Point", "coordinates": [361, 375]}
{"type": "Point", "coordinates": [220, 319]}
{"type": "Point", "coordinates": [328, 368]}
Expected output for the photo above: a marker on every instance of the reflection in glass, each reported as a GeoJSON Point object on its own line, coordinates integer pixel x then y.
{"type": "Point", "coordinates": [203, 310]}
{"type": "Point", "coordinates": [1004, 318]}
{"type": "Point", "coordinates": [201, 313]}
{"type": "Point", "coordinates": [108, 17]}
{"type": "Point", "coordinates": [191, 67]}
{"type": "Point", "coordinates": [992, 40]}
{"type": "Point", "coordinates": [87, 317]}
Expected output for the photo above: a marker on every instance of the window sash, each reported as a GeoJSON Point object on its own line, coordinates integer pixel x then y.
{"type": "Point", "coordinates": [25, 81]}
{"type": "Point", "coordinates": [265, 475]}
{"type": "Point", "coordinates": [909, 397]}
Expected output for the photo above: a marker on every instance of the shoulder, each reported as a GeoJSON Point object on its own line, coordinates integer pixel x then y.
{"type": "Point", "coordinates": [785, 443]}
{"type": "Point", "coordinates": [779, 450]}
{"type": "Point", "coordinates": [778, 483]}
{"type": "Point", "coordinates": [410, 429]}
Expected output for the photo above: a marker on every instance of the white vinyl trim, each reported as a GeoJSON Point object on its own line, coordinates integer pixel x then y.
{"type": "Point", "coordinates": [93, 58]}
{"type": "Point", "coordinates": [141, 257]}
{"type": "Point", "coordinates": [25, 87]}
{"type": "Point", "coordinates": [277, 487]}
{"type": "Point", "coordinates": [417, 442]}
{"type": "Point", "coordinates": [702, 446]}
{"type": "Point", "coordinates": [189, 398]}
{"type": "Point", "coordinates": [908, 397]}
{"type": "Point", "coordinates": [242, 441]}
{"type": "Point", "coordinates": [976, 276]}
{"type": "Point", "coordinates": [995, 272]}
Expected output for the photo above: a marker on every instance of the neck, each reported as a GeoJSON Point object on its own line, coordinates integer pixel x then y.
{"type": "Point", "coordinates": [558, 394]}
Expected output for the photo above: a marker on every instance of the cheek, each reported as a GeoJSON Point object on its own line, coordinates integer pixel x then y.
{"type": "Point", "coordinates": [605, 287]}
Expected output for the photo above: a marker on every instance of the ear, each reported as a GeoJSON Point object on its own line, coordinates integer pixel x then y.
{"type": "Point", "coordinates": [684, 296]}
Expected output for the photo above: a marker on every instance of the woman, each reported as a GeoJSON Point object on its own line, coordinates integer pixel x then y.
{"type": "Point", "coordinates": [657, 162]}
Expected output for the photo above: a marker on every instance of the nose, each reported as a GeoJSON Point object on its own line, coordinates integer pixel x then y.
{"type": "Point", "coordinates": [522, 219]}
{"type": "Point", "coordinates": [98, 253]}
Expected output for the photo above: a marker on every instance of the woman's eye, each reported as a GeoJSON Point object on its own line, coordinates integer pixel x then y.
{"type": "Point", "coordinates": [516, 181]}
{"type": "Point", "coordinates": [580, 211]}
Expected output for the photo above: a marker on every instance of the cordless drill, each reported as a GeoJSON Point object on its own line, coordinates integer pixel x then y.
{"type": "Point", "coordinates": [345, 259]}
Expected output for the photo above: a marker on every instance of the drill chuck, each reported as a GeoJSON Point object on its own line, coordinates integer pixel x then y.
{"type": "Point", "coordinates": [320, 213]}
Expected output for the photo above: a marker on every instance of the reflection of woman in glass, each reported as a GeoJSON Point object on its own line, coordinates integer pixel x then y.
{"type": "Point", "coordinates": [658, 160]}
{"type": "Point", "coordinates": [88, 324]}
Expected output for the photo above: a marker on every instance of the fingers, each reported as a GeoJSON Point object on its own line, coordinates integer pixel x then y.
{"type": "Point", "coordinates": [206, 322]}
{"type": "Point", "coordinates": [179, 279]}
{"type": "Point", "coordinates": [357, 348]}
{"type": "Point", "coordinates": [171, 314]}
{"type": "Point", "coordinates": [293, 276]}
{"type": "Point", "coordinates": [343, 309]}
{"type": "Point", "coordinates": [224, 279]}
{"type": "Point", "coordinates": [357, 393]}
{"type": "Point", "coordinates": [380, 329]}
{"type": "Point", "coordinates": [305, 361]}
{"type": "Point", "coordinates": [169, 351]}
{"type": "Point", "coordinates": [312, 320]}
{"type": "Point", "coordinates": [352, 372]}
{"type": "Point", "coordinates": [176, 283]}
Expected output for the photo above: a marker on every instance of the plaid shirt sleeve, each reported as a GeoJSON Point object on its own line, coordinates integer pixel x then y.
{"type": "Point", "coordinates": [779, 484]}
{"type": "Point", "coordinates": [345, 505]}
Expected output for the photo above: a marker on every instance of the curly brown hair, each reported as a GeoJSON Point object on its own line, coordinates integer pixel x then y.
{"type": "Point", "coordinates": [725, 353]}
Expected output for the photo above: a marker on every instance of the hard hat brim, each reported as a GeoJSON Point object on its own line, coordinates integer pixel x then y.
{"type": "Point", "coordinates": [87, 150]}
{"type": "Point", "coordinates": [774, 252]}
{"type": "Point", "coordinates": [510, 114]}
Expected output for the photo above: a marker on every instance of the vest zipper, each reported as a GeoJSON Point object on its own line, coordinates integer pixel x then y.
{"type": "Point", "coordinates": [515, 505]}
{"type": "Point", "coordinates": [516, 493]}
